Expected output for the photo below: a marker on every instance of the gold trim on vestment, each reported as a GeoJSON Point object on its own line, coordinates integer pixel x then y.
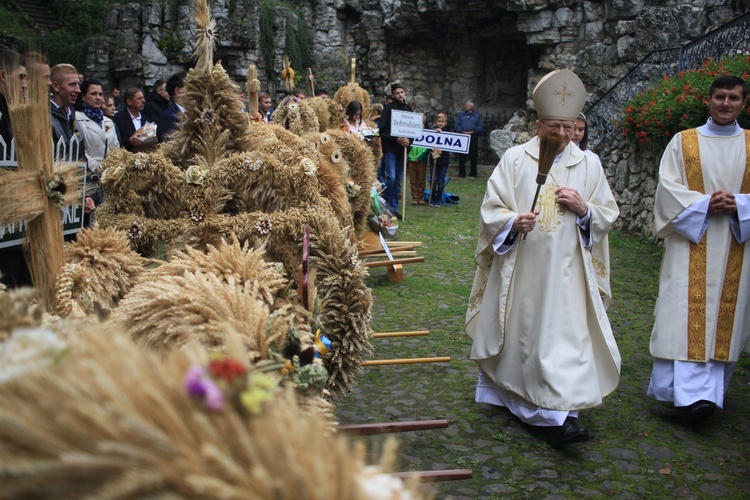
{"type": "Point", "coordinates": [698, 264]}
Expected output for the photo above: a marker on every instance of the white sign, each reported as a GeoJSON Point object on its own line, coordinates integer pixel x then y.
{"type": "Point", "coordinates": [406, 124]}
{"type": "Point", "coordinates": [72, 215]}
{"type": "Point", "coordinates": [444, 141]}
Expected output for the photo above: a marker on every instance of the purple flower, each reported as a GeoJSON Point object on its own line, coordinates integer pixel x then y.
{"type": "Point", "coordinates": [199, 384]}
{"type": "Point", "coordinates": [213, 399]}
{"type": "Point", "coordinates": [194, 381]}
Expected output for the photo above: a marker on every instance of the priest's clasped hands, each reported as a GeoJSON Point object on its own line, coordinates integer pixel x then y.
{"type": "Point", "coordinates": [722, 202]}
{"type": "Point", "coordinates": [567, 197]}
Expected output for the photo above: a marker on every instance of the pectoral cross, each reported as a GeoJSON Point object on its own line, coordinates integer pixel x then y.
{"type": "Point", "coordinates": [30, 193]}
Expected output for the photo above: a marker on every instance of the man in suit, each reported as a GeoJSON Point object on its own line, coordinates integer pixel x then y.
{"type": "Point", "coordinates": [171, 117]}
{"type": "Point", "coordinates": [130, 120]}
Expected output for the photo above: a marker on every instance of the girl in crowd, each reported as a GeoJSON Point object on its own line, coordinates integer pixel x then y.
{"type": "Point", "coordinates": [99, 138]}
{"type": "Point", "coordinates": [354, 121]}
{"type": "Point", "coordinates": [581, 137]}
{"type": "Point", "coordinates": [439, 165]}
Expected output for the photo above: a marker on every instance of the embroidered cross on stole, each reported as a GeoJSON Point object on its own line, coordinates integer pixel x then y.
{"type": "Point", "coordinates": [698, 264]}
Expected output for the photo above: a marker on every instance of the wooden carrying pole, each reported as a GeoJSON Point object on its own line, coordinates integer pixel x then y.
{"type": "Point", "coordinates": [403, 186]}
{"type": "Point", "coordinates": [384, 263]}
{"type": "Point", "coordinates": [367, 253]}
{"type": "Point", "coordinates": [415, 333]}
{"type": "Point", "coordinates": [405, 361]}
{"type": "Point", "coordinates": [390, 427]}
{"type": "Point", "coordinates": [434, 476]}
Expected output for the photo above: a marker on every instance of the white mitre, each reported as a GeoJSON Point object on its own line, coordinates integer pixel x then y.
{"type": "Point", "coordinates": [559, 95]}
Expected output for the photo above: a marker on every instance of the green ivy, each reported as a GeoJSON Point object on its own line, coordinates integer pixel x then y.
{"type": "Point", "coordinates": [171, 44]}
{"type": "Point", "coordinates": [678, 103]}
{"type": "Point", "coordinates": [298, 42]}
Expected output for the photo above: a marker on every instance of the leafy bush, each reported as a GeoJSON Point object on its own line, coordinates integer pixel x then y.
{"type": "Point", "coordinates": [677, 103]}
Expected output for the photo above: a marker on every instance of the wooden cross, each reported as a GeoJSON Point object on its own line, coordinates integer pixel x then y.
{"type": "Point", "coordinates": [29, 193]}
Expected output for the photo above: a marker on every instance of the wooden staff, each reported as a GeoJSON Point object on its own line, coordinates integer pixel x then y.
{"type": "Point", "coordinates": [384, 263]}
{"type": "Point", "coordinates": [312, 81]}
{"type": "Point", "coordinates": [405, 361]}
{"type": "Point", "coordinates": [391, 427]}
{"type": "Point", "coordinates": [400, 334]}
{"type": "Point", "coordinates": [353, 80]}
{"type": "Point", "coordinates": [432, 179]}
{"type": "Point", "coordinates": [433, 476]}
{"type": "Point", "coordinates": [549, 144]}
{"type": "Point", "coordinates": [403, 186]}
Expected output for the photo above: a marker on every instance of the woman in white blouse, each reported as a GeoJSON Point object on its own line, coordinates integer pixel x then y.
{"type": "Point", "coordinates": [99, 137]}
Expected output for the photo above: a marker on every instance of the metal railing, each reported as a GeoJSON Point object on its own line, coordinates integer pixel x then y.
{"type": "Point", "coordinates": [727, 40]}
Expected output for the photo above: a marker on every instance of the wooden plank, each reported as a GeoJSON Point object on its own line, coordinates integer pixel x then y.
{"type": "Point", "coordinates": [386, 263]}
{"type": "Point", "coordinates": [405, 361]}
{"type": "Point", "coordinates": [434, 476]}
{"type": "Point", "coordinates": [400, 334]}
{"type": "Point", "coordinates": [365, 253]}
{"type": "Point", "coordinates": [391, 427]}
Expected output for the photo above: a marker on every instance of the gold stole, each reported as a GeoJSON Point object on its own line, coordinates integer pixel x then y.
{"type": "Point", "coordinates": [698, 260]}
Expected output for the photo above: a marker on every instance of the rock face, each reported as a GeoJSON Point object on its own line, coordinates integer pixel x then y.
{"type": "Point", "coordinates": [443, 51]}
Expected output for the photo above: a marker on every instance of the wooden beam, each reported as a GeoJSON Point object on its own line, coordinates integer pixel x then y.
{"type": "Point", "coordinates": [365, 253]}
{"type": "Point", "coordinates": [386, 263]}
{"type": "Point", "coordinates": [391, 427]}
{"type": "Point", "coordinates": [433, 476]}
{"type": "Point", "coordinates": [400, 334]}
{"type": "Point", "coordinates": [405, 361]}
{"type": "Point", "coordinates": [396, 254]}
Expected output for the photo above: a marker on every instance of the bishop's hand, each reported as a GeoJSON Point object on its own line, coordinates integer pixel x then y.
{"type": "Point", "coordinates": [525, 222]}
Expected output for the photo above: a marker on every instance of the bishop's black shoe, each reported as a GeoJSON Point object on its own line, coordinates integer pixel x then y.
{"type": "Point", "coordinates": [568, 432]}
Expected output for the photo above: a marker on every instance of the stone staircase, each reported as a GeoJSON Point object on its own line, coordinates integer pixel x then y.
{"type": "Point", "coordinates": [37, 13]}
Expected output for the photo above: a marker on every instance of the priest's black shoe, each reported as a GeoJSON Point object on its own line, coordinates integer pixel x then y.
{"type": "Point", "coordinates": [568, 432]}
{"type": "Point", "coordinates": [699, 411]}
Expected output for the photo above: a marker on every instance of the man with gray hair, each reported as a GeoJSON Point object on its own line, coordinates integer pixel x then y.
{"type": "Point", "coordinates": [537, 311]}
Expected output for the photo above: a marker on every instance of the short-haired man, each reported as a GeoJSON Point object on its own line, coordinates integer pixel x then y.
{"type": "Point", "coordinates": [321, 93]}
{"type": "Point", "coordinates": [157, 101]}
{"type": "Point", "coordinates": [391, 166]}
{"type": "Point", "coordinates": [265, 106]}
{"type": "Point", "coordinates": [469, 122]}
{"type": "Point", "coordinates": [702, 209]}
{"type": "Point", "coordinates": [65, 90]}
{"type": "Point", "coordinates": [130, 120]}
{"type": "Point", "coordinates": [536, 314]}
{"type": "Point", "coordinates": [169, 120]}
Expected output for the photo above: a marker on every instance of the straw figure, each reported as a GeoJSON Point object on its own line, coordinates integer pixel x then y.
{"type": "Point", "coordinates": [329, 112]}
{"type": "Point", "coordinates": [94, 416]}
{"type": "Point", "coordinates": [252, 88]}
{"type": "Point", "coordinates": [295, 115]}
{"type": "Point", "coordinates": [359, 176]}
{"type": "Point", "coordinates": [222, 177]}
{"type": "Point", "coordinates": [100, 268]}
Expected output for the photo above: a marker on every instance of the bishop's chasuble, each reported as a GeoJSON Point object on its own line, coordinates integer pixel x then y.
{"type": "Point", "coordinates": [536, 313]}
{"type": "Point", "coordinates": [704, 286]}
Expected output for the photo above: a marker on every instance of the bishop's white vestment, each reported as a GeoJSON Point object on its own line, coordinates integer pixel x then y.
{"type": "Point", "coordinates": [537, 312]}
{"type": "Point", "coordinates": [702, 321]}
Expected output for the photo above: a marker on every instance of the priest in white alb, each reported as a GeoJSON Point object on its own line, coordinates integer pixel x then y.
{"type": "Point", "coordinates": [537, 311]}
{"type": "Point", "coordinates": [702, 210]}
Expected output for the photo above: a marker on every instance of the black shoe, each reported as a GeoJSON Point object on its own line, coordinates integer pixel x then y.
{"type": "Point", "coordinates": [398, 215]}
{"type": "Point", "coordinates": [461, 176]}
{"type": "Point", "coordinates": [699, 411]}
{"type": "Point", "coordinates": [474, 176]}
{"type": "Point", "coordinates": [568, 432]}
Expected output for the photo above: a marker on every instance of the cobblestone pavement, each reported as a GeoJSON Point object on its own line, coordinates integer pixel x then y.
{"type": "Point", "coordinates": [639, 448]}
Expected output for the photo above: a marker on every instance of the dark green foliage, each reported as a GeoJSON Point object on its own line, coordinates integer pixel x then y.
{"type": "Point", "coordinates": [298, 42]}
